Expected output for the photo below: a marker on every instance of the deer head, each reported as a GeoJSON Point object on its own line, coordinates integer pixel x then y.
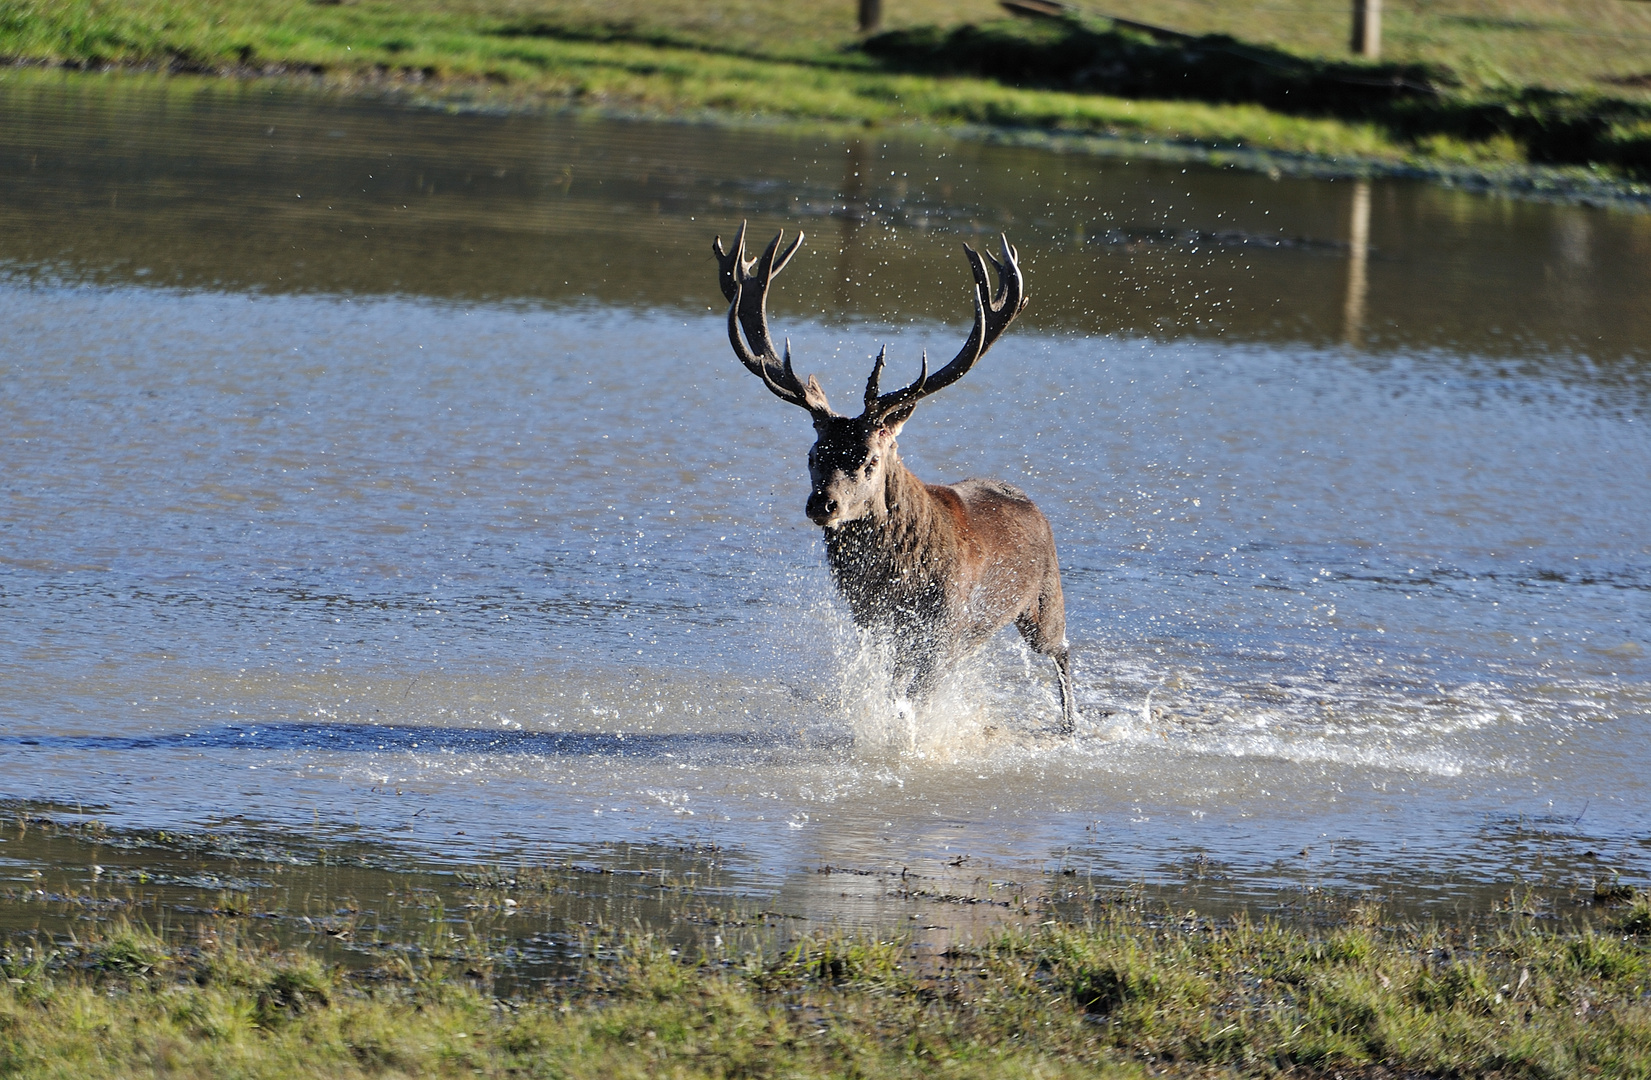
{"type": "Point", "coordinates": [849, 464]}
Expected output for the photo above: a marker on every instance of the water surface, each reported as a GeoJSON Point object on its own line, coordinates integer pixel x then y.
{"type": "Point", "coordinates": [388, 471]}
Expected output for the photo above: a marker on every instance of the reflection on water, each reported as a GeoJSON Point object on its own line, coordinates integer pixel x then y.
{"type": "Point", "coordinates": [1358, 261]}
{"type": "Point", "coordinates": [248, 189]}
{"type": "Point", "coordinates": [364, 905]}
{"type": "Point", "coordinates": [389, 470]}
{"type": "Point", "coordinates": [516, 923]}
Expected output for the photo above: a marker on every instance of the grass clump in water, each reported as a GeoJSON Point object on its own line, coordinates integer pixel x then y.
{"type": "Point", "coordinates": [1110, 998]}
{"type": "Point", "coordinates": [127, 950]}
{"type": "Point", "coordinates": [1636, 920]}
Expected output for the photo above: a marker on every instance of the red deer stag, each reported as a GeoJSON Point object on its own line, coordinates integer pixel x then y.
{"type": "Point", "coordinates": [937, 569]}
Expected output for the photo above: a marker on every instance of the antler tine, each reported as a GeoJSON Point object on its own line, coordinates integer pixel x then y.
{"type": "Point", "coordinates": [993, 314]}
{"type": "Point", "coordinates": [754, 311]}
{"type": "Point", "coordinates": [747, 296]}
{"type": "Point", "coordinates": [876, 377]}
{"type": "Point", "coordinates": [1011, 291]}
{"type": "Point", "coordinates": [731, 268]}
{"type": "Point", "coordinates": [735, 269]}
{"type": "Point", "coordinates": [785, 256]}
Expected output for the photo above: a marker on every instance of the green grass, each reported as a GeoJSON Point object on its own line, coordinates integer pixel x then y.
{"type": "Point", "coordinates": [1575, 45]}
{"type": "Point", "coordinates": [506, 53]}
{"type": "Point", "coordinates": [1113, 997]}
{"type": "Point", "coordinates": [742, 58]}
{"type": "Point", "coordinates": [1430, 108]}
{"type": "Point", "coordinates": [1559, 44]}
{"type": "Point", "coordinates": [1507, 117]}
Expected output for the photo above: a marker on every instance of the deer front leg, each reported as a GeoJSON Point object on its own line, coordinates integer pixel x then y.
{"type": "Point", "coordinates": [917, 669]}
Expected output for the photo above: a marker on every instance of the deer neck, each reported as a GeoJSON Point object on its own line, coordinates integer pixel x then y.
{"type": "Point", "coordinates": [906, 509]}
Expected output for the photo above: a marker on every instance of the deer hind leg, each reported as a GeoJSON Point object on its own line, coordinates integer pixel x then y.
{"type": "Point", "coordinates": [1069, 700]}
{"type": "Point", "coordinates": [1044, 629]}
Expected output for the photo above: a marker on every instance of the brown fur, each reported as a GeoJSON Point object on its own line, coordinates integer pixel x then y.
{"type": "Point", "coordinates": [942, 568]}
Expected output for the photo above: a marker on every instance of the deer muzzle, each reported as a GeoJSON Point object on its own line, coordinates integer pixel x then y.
{"type": "Point", "coordinates": [821, 507]}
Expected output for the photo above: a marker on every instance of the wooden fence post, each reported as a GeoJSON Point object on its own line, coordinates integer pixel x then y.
{"type": "Point", "coordinates": [1367, 28]}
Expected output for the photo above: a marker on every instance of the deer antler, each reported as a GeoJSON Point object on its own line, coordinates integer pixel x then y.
{"type": "Point", "coordinates": [993, 314]}
{"type": "Point", "coordinates": [747, 296]}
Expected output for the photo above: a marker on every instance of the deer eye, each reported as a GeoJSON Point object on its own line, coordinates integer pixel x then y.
{"type": "Point", "coordinates": [871, 463]}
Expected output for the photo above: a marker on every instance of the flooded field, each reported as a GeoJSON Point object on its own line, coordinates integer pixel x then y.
{"type": "Point", "coordinates": [385, 476]}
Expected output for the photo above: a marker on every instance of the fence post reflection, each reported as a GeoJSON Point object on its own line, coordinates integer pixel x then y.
{"type": "Point", "coordinates": [1358, 254]}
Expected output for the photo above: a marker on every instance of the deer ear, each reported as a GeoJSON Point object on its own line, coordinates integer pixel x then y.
{"type": "Point", "coordinates": [814, 398]}
{"type": "Point", "coordinates": [894, 421]}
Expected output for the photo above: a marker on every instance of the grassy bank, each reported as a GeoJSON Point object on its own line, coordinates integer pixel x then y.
{"type": "Point", "coordinates": [1600, 46]}
{"type": "Point", "coordinates": [253, 952]}
{"type": "Point", "coordinates": [663, 60]}
{"type": "Point", "coordinates": [1428, 108]}
{"type": "Point", "coordinates": [804, 61]}
{"type": "Point", "coordinates": [1116, 996]}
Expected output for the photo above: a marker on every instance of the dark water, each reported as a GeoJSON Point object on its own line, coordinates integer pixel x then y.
{"type": "Point", "coordinates": [389, 471]}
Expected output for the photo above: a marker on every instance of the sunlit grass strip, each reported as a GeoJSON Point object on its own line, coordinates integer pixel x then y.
{"type": "Point", "coordinates": [1062, 1000]}
{"type": "Point", "coordinates": [465, 49]}
{"type": "Point", "coordinates": [1518, 1001]}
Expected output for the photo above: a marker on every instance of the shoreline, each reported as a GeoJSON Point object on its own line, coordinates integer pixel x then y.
{"type": "Point", "coordinates": [1573, 185]}
{"type": "Point", "coordinates": [85, 870]}
{"type": "Point", "coordinates": [425, 978]}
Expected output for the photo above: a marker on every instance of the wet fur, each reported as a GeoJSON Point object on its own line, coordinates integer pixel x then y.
{"type": "Point", "coordinates": [936, 569]}
{"type": "Point", "coordinates": [941, 568]}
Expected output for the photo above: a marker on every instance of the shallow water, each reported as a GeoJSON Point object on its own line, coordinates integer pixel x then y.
{"type": "Point", "coordinates": [387, 472]}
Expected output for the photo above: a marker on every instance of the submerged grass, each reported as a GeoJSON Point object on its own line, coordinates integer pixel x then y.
{"type": "Point", "coordinates": [1115, 996]}
{"type": "Point", "coordinates": [802, 61]}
